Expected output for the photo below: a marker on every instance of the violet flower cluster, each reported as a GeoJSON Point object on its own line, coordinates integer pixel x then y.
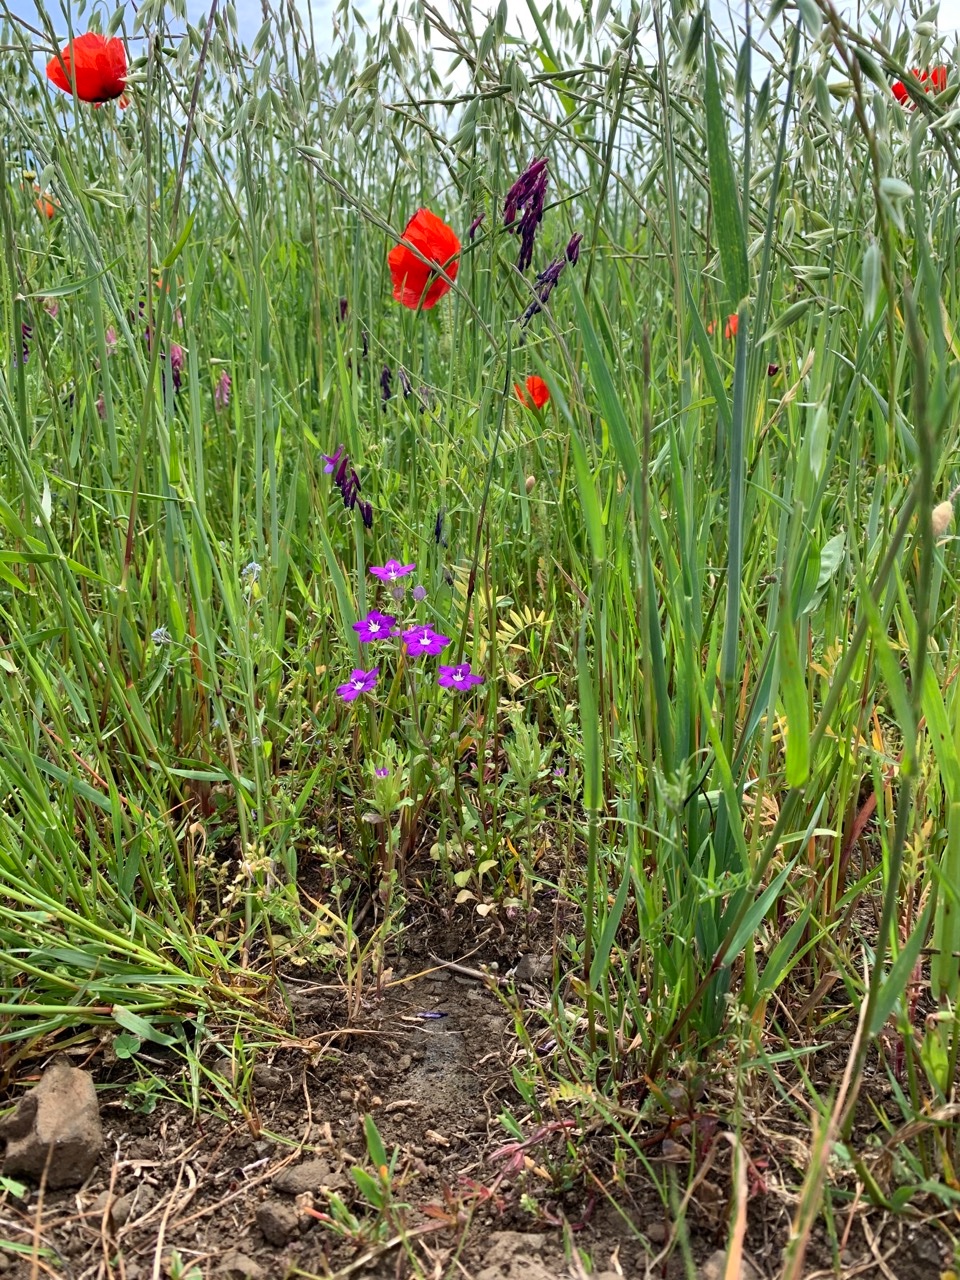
{"type": "Point", "coordinates": [347, 481]}
{"type": "Point", "coordinates": [419, 641]}
{"type": "Point", "coordinates": [526, 197]}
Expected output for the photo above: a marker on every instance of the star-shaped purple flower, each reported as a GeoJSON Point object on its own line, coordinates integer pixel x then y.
{"type": "Point", "coordinates": [375, 626]}
{"type": "Point", "coordinates": [360, 682]}
{"type": "Point", "coordinates": [424, 640]}
{"type": "Point", "coordinates": [458, 677]}
{"type": "Point", "coordinates": [391, 571]}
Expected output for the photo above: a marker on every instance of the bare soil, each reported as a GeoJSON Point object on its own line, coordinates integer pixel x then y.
{"type": "Point", "coordinates": [246, 1191]}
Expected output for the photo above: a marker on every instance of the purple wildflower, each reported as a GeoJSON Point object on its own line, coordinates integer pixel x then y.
{"type": "Point", "coordinates": [573, 248]}
{"type": "Point", "coordinates": [546, 283]}
{"type": "Point", "coordinates": [344, 308]}
{"type": "Point", "coordinates": [176, 363]}
{"type": "Point", "coordinates": [382, 773]}
{"type": "Point", "coordinates": [419, 593]}
{"type": "Point", "coordinates": [52, 307]}
{"type": "Point", "coordinates": [350, 490]}
{"type": "Point", "coordinates": [458, 677]}
{"type": "Point", "coordinates": [386, 377]}
{"type": "Point", "coordinates": [366, 511]}
{"type": "Point", "coordinates": [392, 570]}
{"type": "Point", "coordinates": [375, 626]}
{"type": "Point", "coordinates": [526, 196]}
{"type": "Point", "coordinates": [360, 682]}
{"type": "Point", "coordinates": [438, 535]}
{"type": "Point", "coordinates": [332, 460]}
{"type": "Point", "coordinates": [26, 334]}
{"type": "Point", "coordinates": [110, 340]}
{"type": "Point", "coordinates": [221, 394]}
{"type": "Point", "coordinates": [424, 640]}
{"type": "Point", "coordinates": [475, 225]}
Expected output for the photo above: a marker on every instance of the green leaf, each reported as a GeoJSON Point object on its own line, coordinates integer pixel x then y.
{"type": "Point", "coordinates": [378, 1152]}
{"type": "Point", "coordinates": [140, 1027]}
{"type": "Point", "coordinates": [796, 707]}
{"type": "Point", "coordinates": [601, 957]}
{"type": "Point", "coordinates": [725, 198]}
{"type": "Point", "coordinates": [177, 249]}
{"type": "Point", "coordinates": [606, 393]}
{"type": "Point", "coordinates": [895, 983]}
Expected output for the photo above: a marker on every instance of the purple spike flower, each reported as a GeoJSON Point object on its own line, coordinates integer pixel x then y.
{"type": "Point", "coordinates": [438, 534]}
{"type": "Point", "coordinates": [423, 640]}
{"type": "Point", "coordinates": [475, 225]}
{"type": "Point", "coordinates": [375, 626]}
{"type": "Point", "coordinates": [386, 377]}
{"type": "Point", "coordinates": [26, 335]}
{"type": "Point", "coordinates": [221, 394]}
{"type": "Point", "coordinates": [526, 196]}
{"type": "Point", "coordinates": [458, 677]}
{"type": "Point", "coordinates": [360, 682]}
{"type": "Point", "coordinates": [573, 248]}
{"type": "Point", "coordinates": [344, 308]}
{"type": "Point", "coordinates": [366, 511]}
{"type": "Point", "coordinates": [176, 363]}
{"type": "Point", "coordinates": [546, 283]}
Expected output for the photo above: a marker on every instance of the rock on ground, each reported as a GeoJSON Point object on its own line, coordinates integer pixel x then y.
{"type": "Point", "coordinates": [514, 1255]}
{"type": "Point", "coordinates": [55, 1127]}
{"type": "Point", "coordinates": [278, 1221]}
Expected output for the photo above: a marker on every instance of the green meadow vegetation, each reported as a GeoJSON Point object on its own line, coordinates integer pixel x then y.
{"type": "Point", "coordinates": [709, 585]}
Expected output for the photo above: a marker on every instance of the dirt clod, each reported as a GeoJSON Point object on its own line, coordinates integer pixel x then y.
{"type": "Point", "coordinates": [715, 1268]}
{"type": "Point", "coordinates": [310, 1175]}
{"type": "Point", "coordinates": [278, 1221]}
{"type": "Point", "coordinates": [514, 1255]}
{"type": "Point", "coordinates": [58, 1121]}
{"type": "Point", "coordinates": [237, 1266]}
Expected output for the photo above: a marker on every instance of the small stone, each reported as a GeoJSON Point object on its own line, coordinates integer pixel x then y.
{"type": "Point", "coordinates": [715, 1268]}
{"type": "Point", "coordinates": [656, 1232]}
{"type": "Point", "coordinates": [310, 1175]}
{"type": "Point", "coordinates": [237, 1266]}
{"type": "Point", "coordinates": [61, 1113]}
{"type": "Point", "coordinates": [120, 1207]}
{"type": "Point", "coordinates": [269, 1079]}
{"type": "Point", "coordinates": [278, 1222]}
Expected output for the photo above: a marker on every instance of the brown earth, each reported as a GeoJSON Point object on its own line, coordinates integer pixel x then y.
{"type": "Point", "coordinates": [244, 1190]}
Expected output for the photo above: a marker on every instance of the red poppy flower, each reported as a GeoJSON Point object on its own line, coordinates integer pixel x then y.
{"type": "Point", "coordinates": [96, 65]}
{"type": "Point", "coordinates": [415, 283]}
{"type": "Point", "coordinates": [536, 389]}
{"type": "Point", "coordinates": [45, 206]}
{"type": "Point", "coordinates": [711, 328]}
{"type": "Point", "coordinates": [935, 79]}
{"type": "Point", "coordinates": [732, 325]}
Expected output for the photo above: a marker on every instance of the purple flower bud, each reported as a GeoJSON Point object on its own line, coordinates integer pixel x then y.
{"type": "Point", "coordinates": [438, 535]}
{"type": "Point", "coordinates": [475, 225]}
{"type": "Point", "coordinates": [386, 377]}
{"type": "Point", "coordinates": [546, 282]}
{"type": "Point", "coordinates": [526, 196]}
{"type": "Point", "coordinates": [573, 248]}
{"type": "Point", "coordinates": [366, 511]}
{"type": "Point", "coordinates": [344, 308]}
{"type": "Point", "coordinates": [221, 394]}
